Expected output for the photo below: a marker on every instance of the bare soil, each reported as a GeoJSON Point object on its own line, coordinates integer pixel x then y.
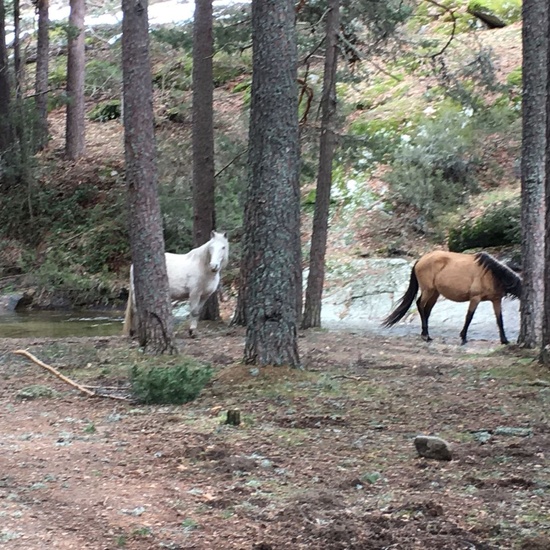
{"type": "Point", "coordinates": [323, 458]}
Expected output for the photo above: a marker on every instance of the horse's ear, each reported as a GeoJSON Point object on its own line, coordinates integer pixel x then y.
{"type": "Point", "coordinates": [225, 234]}
{"type": "Point", "coordinates": [212, 234]}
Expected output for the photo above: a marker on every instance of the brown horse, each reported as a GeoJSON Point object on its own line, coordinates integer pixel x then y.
{"type": "Point", "coordinates": [460, 278]}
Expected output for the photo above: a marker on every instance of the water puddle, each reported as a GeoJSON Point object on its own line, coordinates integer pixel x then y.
{"type": "Point", "coordinates": [60, 324]}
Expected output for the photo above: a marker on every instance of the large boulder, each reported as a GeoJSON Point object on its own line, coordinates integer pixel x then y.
{"type": "Point", "coordinates": [495, 13]}
{"type": "Point", "coordinates": [15, 300]}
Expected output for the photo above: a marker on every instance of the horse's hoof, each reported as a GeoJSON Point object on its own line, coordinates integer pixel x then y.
{"type": "Point", "coordinates": [504, 342]}
{"type": "Point", "coordinates": [463, 342]}
{"type": "Point", "coordinates": [426, 338]}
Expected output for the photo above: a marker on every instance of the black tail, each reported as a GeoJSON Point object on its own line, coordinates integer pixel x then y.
{"type": "Point", "coordinates": [510, 281]}
{"type": "Point", "coordinates": [405, 303]}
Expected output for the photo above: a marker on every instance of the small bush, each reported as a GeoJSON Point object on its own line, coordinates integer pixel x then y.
{"type": "Point", "coordinates": [57, 75]}
{"type": "Point", "coordinates": [515, 77]}
{"type": "Point", "coordinates": [380, 137]}
{"type": "Point", "coordinates": [178, 37]}
{"type": "Point", "coordinates": [176, 74]}
{"type": "Point", "coordinates": [106, 110]}
{"type": "Point", "coordinates": [169, 385]}
{"type": "Point", "coordinates": [103, 77]}
{"type": "Point", "coordinates": [433, 169]}
{"type": "Point", "coordinates": [227, 67]}
{"type": "Point", "coordinates": [499, 225]}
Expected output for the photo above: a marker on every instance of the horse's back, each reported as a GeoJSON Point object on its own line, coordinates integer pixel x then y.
{"type": "Point", "coordinates": [454, 275]}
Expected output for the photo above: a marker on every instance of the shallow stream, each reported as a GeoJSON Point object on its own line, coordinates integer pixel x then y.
{"type": "Point", "coordinates": [60, 324]}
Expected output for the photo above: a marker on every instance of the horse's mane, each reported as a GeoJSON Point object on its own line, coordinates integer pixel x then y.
{"type": "Point", "coordinates": [510, 281]}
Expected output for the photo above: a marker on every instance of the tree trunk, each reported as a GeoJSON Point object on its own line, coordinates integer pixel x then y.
{"type": "Point", "coordinates": [5, 98]}
{"type": "Point", "coordinates": [41, 81]}
{"type": "Point", "coordinates": [272, 212]}
{"type": "Point", "coordinates": [316, 277]}
{"type": "Point", "coordinates": [545, 343]}
{"type": "Point", "coordinates": [76, 59]}
{"type": "Point", "coordinates": [17, 64]}
{"type": "Point", "coordinates": [239, 315]}
{"type": "Point", "coordinates": [204, 208]}
{"type": "Point", "coordinates": [535, 14]}
{"type": "Point", "coordinates": [154, 309]}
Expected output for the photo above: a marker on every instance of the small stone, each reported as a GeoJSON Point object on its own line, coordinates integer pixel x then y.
{"type": "Point", "coordinates": [482, 436]}
{"type": "Point", "coordinates": [429, 446]}
{"type": "Point", "coordinates": [517, 432]}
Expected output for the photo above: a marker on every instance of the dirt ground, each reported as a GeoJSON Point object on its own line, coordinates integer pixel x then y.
{"type": "Point", "coordinates": [323, 458]}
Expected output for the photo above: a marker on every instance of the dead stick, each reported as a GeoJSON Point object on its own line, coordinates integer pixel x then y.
{"type": "Point", "coordinates": [347, 376]}
{"type": "Point", "coordinates": [54, 372]}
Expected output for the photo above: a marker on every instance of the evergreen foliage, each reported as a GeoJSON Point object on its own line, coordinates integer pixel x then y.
{"type": "Point", "coordinates": [433, 169]}
{"type": "Point", "coordinates": [499, 225]}
{"type": "Point", "coordinates": [169, 385]}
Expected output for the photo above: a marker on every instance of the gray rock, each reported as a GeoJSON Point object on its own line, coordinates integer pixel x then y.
{"type": "Point", "coordinates": [9, 302]}
{"type": "Point", "coordinates": [429, 446]}
{"type": "Point", "coordinates": [482, 436]}
{"type": "Point", "coordinates": [491, 19]}
{"type": "Point", "coordinates": [517, 432]}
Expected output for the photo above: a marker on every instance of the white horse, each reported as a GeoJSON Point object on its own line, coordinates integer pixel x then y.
{"type": "Point", "coordinates": [194, 276]}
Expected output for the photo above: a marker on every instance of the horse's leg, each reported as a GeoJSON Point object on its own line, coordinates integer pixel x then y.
{"type": "Point", "coordinates": [497, 307]}
{"type": "Point", "coordinates": [195, 306]}
{"type": "Point", "coordinates": [425, 305]}
{"type": "Point", "coordinates": [474, 302]}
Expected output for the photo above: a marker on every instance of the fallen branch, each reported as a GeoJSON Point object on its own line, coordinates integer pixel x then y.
{"type": "Point", "coordinates": [55, 372]}
{"type": "Point", "coordinates": [347, 377]}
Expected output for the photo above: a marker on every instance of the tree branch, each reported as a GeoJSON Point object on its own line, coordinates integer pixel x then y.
{"type": "Point", "coordinates": [55, 372]}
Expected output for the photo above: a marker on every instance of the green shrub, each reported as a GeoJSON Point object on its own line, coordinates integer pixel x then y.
{"type": "Point", "coordinates": [515, 77]}
{"type": "Point", "coordinates": [433, 169]}
{"type": "Point", "coordinates": [232, 29]}
{"type": "Point", "coordinates": [57, 74]}
{"type": "Point", "coordinates": [380, 137]}
{"type": "Point", "coordinates": [72, 286]}
{"type": "Point", "coordinates": [227, 67]}
{"type": "Point", "coordinates": [175, 74]}
{"type": "Point", "coordinates": [102, 77]}
{"type": "Point", "coordinates": [499, 225]}
{"type": "Point", "coordinates": [178, 37]}
{"type": "Point", "coordinates": [106, 110]}
{"type": "Point", "coordinates": [169, 385]}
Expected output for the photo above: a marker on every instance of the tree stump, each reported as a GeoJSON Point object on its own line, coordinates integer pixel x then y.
{"type": "Point", "coordinates": [233, 417]}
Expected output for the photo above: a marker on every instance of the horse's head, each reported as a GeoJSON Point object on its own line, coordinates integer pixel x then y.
{"type": "Point", "coordinates": [219, 251]}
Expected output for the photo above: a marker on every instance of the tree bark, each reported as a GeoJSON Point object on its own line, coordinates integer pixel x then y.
{"type": "Point", "coordinates": [239, 315]}
{"type": "Point", "coordinates": [535, 39]}
{"type": "Point", "coordinates": [204, 207]}
{"type": "Point", "coordinates": [316, 277]}
{"type": "Point", "coordinates": [272, 253]}
{"type": "Point", "coordinates": [17, 64]}
{"type": "Point", "coordinates": [154, 311]}
{"type": "Point", "coordinates": [42, 69]}
{"type": "Point", "coordinates": [76, 123]}
{"type": "Point", "coordinates": [5, 93]}
{"type": "Point", "coordinates": [545, 340]}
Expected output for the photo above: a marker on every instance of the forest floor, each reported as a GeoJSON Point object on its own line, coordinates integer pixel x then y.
{"type": "Point", "coordinates": [323, 459]}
